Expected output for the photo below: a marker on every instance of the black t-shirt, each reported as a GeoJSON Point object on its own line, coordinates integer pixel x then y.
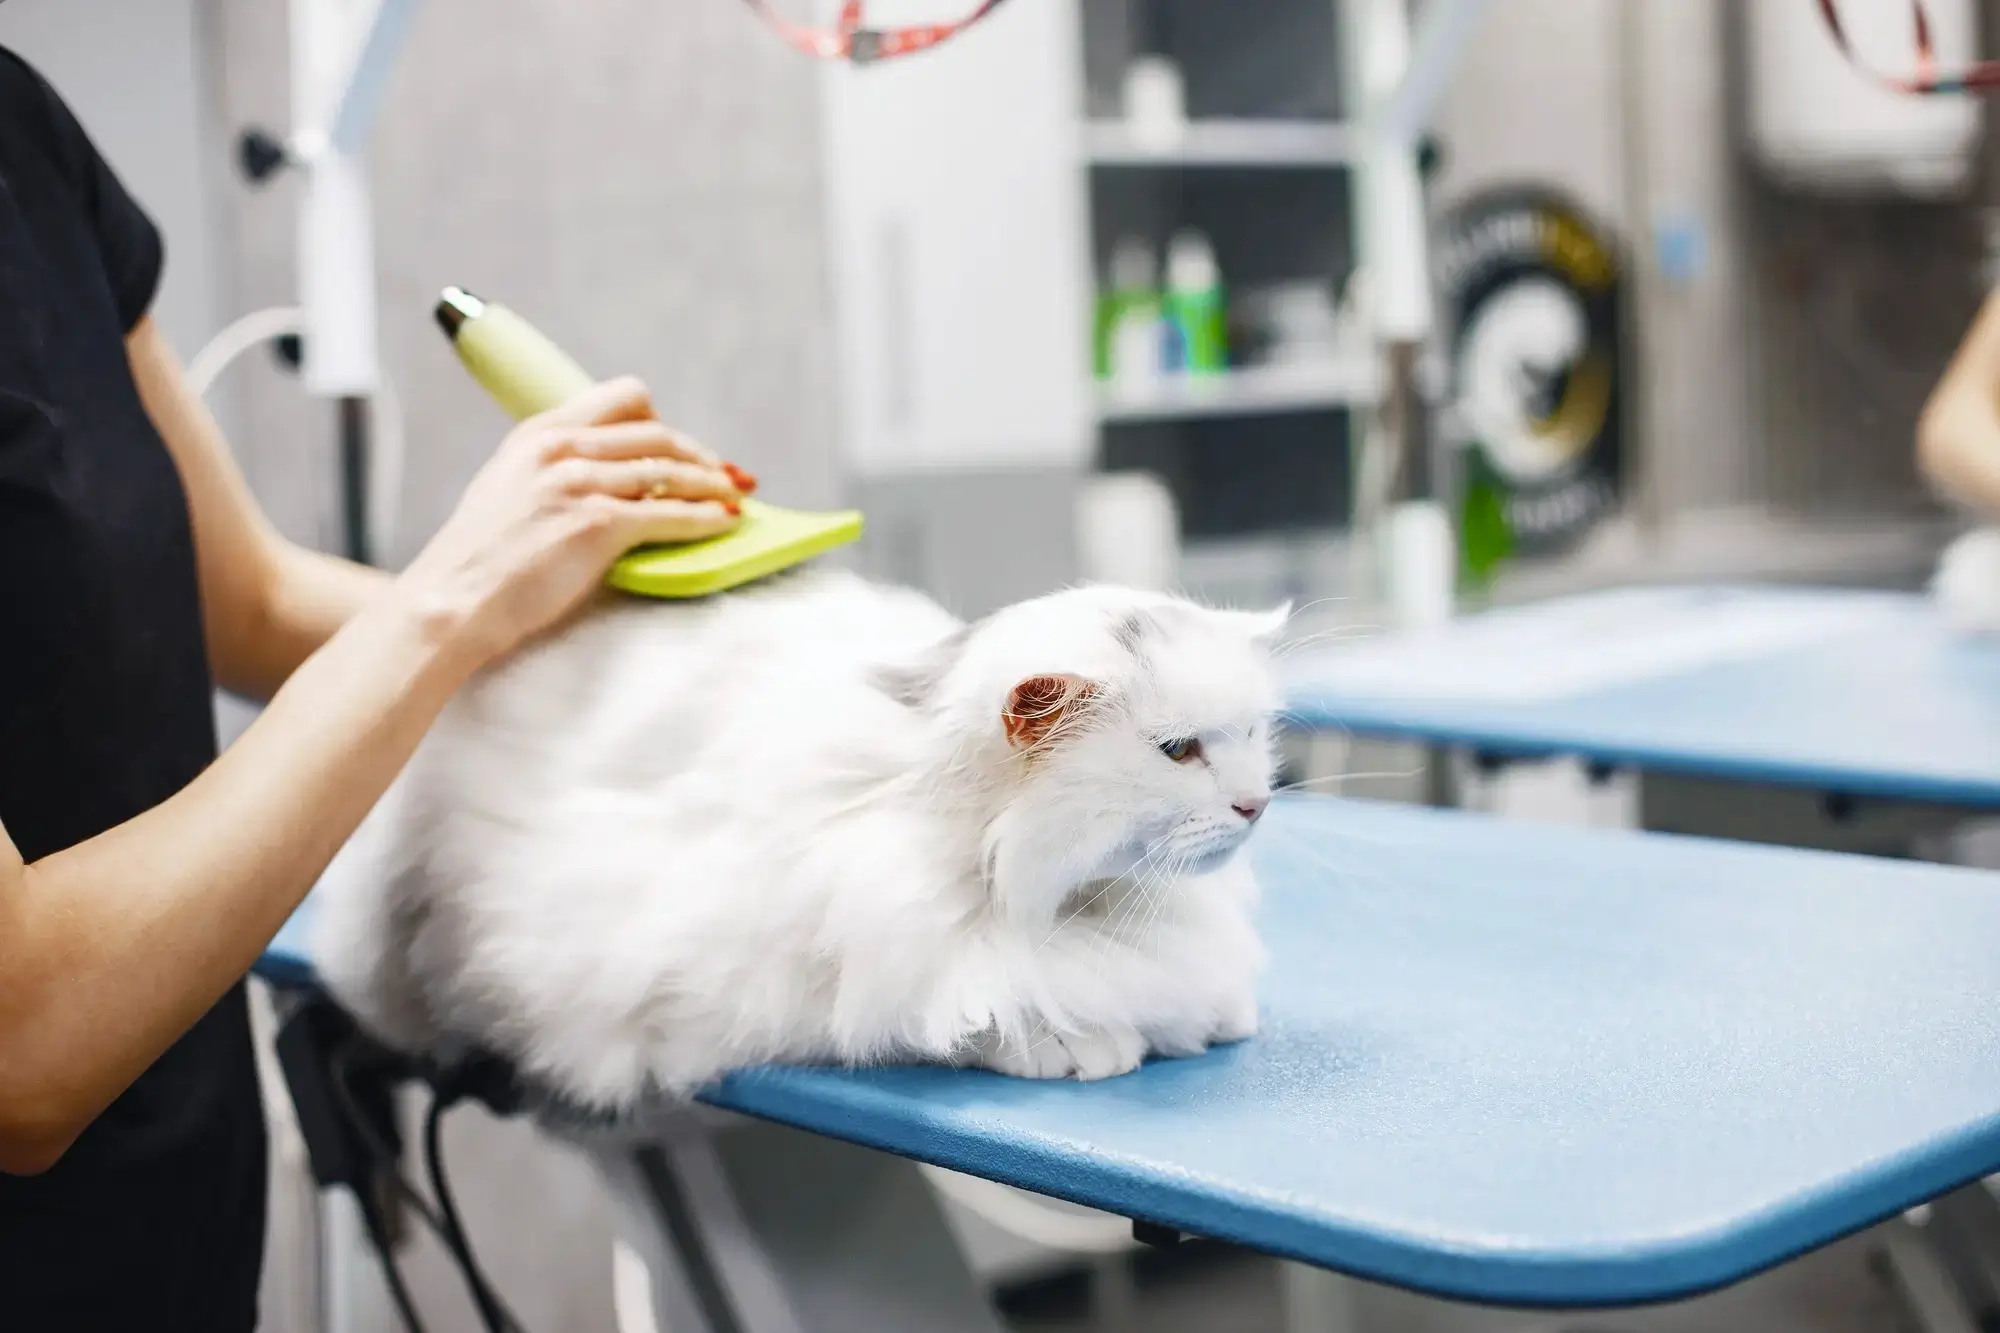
{"type": "Point", "coordinates": [154, 1219]}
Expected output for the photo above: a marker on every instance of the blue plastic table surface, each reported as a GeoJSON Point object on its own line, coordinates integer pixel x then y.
{"type": "Point", "coordinates": [1518, 1064]}
{"type": "Point", "coordinates": [1863, 693]}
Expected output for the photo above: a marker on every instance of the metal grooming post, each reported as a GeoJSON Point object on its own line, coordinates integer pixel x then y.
{"type": "Point", "coordinates": [341, 55]}
{"type": "Point", "coordinates": [1394, 79]}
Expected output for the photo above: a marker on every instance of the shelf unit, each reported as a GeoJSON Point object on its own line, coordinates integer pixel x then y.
{"type": "Point", "coordinates": [1262, 167]}
{"type": "Point", "coordinates": [1224, 143]}
{"type": "Point", "coordinates": [972, 198]}
{"type": "Point", "coordinates": [1251, 391]}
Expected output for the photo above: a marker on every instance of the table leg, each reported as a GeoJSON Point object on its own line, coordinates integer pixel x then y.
{"type": "Point", "coordinates": [1964, 1230]}
{"type": "Point", "coordinates": [1440, 790]}
{"type": "Point", "coordinates": [1114, 1295]}
{"type": "Point", "coordinates": [654, 1230]}
{"type": "Point", "coordinates": [1317, 1301]}
{"type": "Point", "coordinates": [755, 1228]}
{"type": "Point", "coordinates": [1926, 1287]}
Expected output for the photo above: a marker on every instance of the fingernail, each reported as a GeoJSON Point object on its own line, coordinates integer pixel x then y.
{"type": "Point", "coordinates": [741, 480]}
{"type": "Point", "coordinates": [735, 509]}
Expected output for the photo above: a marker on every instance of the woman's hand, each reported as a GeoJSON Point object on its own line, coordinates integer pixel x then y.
{"type": "Point", "coordinates": [1958, 435]}
{"type": "Point", "coordinates": [566, 494]}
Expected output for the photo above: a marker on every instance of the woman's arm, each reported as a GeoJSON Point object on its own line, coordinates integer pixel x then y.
{"type": "Point", "coordinates": [1958, 436]}
{"type": "Point", "coordinates": [268, 604]}
{"type": "Point", "coordinates": [111, 949]}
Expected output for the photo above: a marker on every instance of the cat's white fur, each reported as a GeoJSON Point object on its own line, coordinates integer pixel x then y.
{"type": "Point", "coordinates": [1967, 583]}
{"type": "Point", "coordinates": [790, 825]}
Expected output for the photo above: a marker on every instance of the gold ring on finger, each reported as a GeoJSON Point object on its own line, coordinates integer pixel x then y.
{"type": "Point", "coordinates": [659, 490]}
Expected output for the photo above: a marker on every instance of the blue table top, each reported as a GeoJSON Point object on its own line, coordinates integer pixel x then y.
{"type": "Point", "coordinates": [1518, 1064]}
{"type": "Point", "coordinates": [1863, 693]}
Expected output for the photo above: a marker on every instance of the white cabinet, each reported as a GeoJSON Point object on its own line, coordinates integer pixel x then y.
{"type": "Point", "coordinates": [958, 233]}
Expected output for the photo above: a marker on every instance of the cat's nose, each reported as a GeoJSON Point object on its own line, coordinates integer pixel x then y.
{"type": "Point", "coordinates": [1250, 807]}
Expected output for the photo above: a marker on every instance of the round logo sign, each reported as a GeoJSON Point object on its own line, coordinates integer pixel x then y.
{"type": "Point", "coordinates": [1531, 291]}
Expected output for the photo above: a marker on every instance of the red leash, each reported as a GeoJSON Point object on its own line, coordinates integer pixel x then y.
{"type": "Point", "coordinates": [1981, 77]}
{"type": "Point", "coordinates": [853, 41]}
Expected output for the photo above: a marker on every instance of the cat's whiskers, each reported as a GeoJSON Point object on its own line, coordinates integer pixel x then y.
{"type": "Point", "coordinates": [1152, 891]}
{"type": "Point", "coordinates": [1162, 900]}
{"type": "Point", "coordinates": [1091, 901]}
{"type": "Point", "coordinates": [1383, 775]}
{"type": "Point", "coordinates": [1344, 634]}
{"type": "Point", "coordinates": [1158, 887]}
{"type": "Point", "coordinates": [1106, 887]}
{"type": "Point", "coordinates": [1322, 851]}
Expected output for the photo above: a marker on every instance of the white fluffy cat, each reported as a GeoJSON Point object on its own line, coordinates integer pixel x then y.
{"type": "Point", "coordinates": [821, 820]}
{"type": "Point", "coordinates": [1967, 584]}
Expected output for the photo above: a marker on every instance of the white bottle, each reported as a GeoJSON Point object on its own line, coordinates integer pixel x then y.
{"type": "Point", "coordinates": [1155, 104]}
{"type": "Point", "coordinates": [1138, 345]}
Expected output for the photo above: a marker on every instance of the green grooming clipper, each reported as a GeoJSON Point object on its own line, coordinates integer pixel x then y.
{"type": "Point", "coordinates": [526, 374]}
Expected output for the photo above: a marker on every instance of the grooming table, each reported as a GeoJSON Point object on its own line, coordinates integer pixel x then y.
{"type": "Point", "coordinates": [1843, 719]}
{"type": "Point", "coordinates": [1500, 1062]}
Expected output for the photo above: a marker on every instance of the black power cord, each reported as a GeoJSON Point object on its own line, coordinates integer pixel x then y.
{"type": "Point", "coordinates": [493, 1312]}
{"type": "Point", "coordinates": [399, 1291]}
{"type": "Point", "coordinates": [446, 1224]}
{"type": "Point", "coordinates": [383, 1158]}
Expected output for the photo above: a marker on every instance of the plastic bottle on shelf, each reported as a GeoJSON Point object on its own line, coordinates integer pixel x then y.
{"type": "Point", "coordinates": [1195, 307]}
{"type": "Point", "coordinates": [1131, 328]}
{"type": "Point", "coordinates": [1155, 104]}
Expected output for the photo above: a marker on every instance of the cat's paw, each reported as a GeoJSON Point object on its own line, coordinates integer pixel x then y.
{"type": "Point", "coordinates": [1178, 1043]}
{"type": "Point", "coordinates": [1104, 1053]}
{"type": "Point", "coordinates": [1239, 1021]}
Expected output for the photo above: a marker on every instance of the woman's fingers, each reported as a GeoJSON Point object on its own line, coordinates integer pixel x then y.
{"type": "Point", "coordinates": [650, 522]}
{"type": "Point", "coordinates": [623, 399]}
{"type": "Point", "coordinates": [630, 439]}
{"type": "Point", "coordinates": [643, 478]}
{"type": "Point", "coordinates": [615, 420]}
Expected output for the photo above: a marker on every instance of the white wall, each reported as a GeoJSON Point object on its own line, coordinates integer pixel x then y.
{"type": "Point", "coordinates": [1551, 94]}
{"type": "Point", "coordinates": [639, 177]}
{"type": "Point", "coordinates": [129, 70]}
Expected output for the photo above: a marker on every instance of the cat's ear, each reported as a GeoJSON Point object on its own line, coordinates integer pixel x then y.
{"type": "Point", "coordinates": [1038, 708]}
{"type": "Point", "coordinates": [913, 684]}
{"type": "Point", "coordinates": [1262, 627]}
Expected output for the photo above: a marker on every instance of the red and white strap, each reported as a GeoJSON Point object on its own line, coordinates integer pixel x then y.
{"type": "Point", "coordinates": [1981, 77]}
{"type": "Point", "coordinates": [854, 41]}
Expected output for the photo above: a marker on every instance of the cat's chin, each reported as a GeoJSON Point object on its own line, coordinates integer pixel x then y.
{"type": "Point", "coordinates": [1207, 863]}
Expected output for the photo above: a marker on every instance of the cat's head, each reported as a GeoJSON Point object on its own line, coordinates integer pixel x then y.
{"type": "Point", "coordinates": [1116, 733]}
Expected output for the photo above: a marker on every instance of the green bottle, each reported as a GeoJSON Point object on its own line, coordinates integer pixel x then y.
{"type": "Point", "coordinates": [1195, 308]}
{"type": "Point", "coordinates": [1485, 540]}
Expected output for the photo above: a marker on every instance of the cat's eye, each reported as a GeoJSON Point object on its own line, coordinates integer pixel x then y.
{"type": "Point", "coordinates": [1181, 749]}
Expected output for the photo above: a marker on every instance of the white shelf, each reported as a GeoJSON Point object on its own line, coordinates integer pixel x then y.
{"type": "Point", "coordinates": [1256, 391]}
{"type": "Point", "coordinates": [1225, 143]}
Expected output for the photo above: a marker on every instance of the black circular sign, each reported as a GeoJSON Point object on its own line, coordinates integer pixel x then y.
{"type": "Point", "coordinates": [1531, 290]}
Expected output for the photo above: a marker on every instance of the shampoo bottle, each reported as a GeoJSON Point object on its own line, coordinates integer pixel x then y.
{"type": "Point", "coordinates": [1131, 328]}
{"type": "Point", "coordinates": [1194, 306]}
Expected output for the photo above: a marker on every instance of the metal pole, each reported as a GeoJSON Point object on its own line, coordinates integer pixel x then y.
{"type": "Point", "coordinates": [356, 541]}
